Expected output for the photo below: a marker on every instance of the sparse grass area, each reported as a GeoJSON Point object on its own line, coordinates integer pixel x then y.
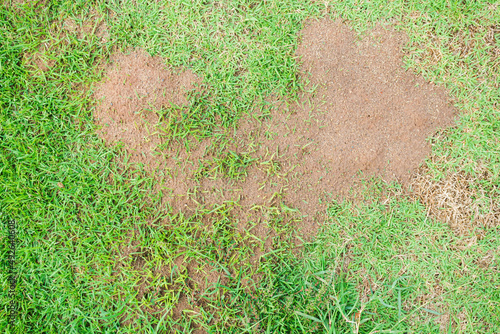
{"type": "Point", "coordinates": [97, 251]}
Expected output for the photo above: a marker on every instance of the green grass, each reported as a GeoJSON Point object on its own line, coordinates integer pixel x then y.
{"type": "Point", "coordinates": [78, 210]}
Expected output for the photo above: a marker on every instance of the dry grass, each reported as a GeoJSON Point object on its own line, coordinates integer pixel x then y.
{"type": "Point", "coordinates": [457, 199]}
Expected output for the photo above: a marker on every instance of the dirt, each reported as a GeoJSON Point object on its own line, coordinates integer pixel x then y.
{"type": "Point", "coordinates": [367, 117]}
{"type": "Point", "coordinates": [376, 115]}
{"type": "Point", "coordinates": [138, 85]}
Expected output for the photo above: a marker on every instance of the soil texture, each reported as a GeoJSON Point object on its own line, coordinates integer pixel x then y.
{"type": "Point", "coordinates": [361, 115]}
{"type": "Point", "coordinates": [136, 86]}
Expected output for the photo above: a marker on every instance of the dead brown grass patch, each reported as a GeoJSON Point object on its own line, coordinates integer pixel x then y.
{"type": "Point", "coordinates": [458, 198]}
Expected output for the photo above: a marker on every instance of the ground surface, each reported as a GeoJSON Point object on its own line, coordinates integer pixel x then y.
{"type": "Point", "coordinates": [365, 114]}
{"type": "Point", "coordinates": [241, 166]}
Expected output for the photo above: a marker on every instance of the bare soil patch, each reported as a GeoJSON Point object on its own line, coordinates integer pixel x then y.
{"type": "Point", "coordinates": [136, 86]}
{"type": "Point", "coordinates": [366, 114]}
{"type": "Point", "coordinates": [375, 115]}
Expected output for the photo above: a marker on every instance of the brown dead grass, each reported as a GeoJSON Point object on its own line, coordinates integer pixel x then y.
{"type": "Point", "coordinates": [461, 48]}
{"type": "Point", "coordinates": [457, 199]}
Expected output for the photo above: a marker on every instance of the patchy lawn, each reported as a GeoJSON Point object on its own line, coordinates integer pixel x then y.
{"type": "Point", "coordinates": [250, 166]}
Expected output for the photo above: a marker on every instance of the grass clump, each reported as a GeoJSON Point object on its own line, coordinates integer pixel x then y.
{"type": "Point", "coordinates": [231, 164]}
{"type": "Point", "coordinates": [430, 279]}
{"type": "Point", "coordinates": [303, 295]}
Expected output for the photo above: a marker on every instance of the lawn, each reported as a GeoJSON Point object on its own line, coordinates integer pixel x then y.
{"type": "Point", "coordinates": [111, 239]}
